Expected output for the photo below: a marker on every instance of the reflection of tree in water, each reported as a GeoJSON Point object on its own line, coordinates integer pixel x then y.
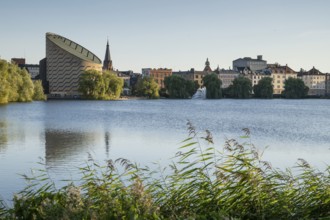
{"type": "Point", "coordinates": [3, 136]}
{"type": "Point", "coordinates": [62, 147]}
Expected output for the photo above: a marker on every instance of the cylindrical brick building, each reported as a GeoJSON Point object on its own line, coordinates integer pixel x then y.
{"type": "Point", "coordinates": [66, 61]}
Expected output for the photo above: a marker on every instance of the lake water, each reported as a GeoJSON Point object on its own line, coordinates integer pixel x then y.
{"type": "Point", "coordinates": [62, 134]}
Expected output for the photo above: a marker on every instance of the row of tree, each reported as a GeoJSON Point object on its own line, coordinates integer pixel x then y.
{"type": "Point", "coordinates": [99, 85]}
{"type": "Point", "coordinates": [16, 85]}
{"type": "Point", "coordinates": [106, 85]}
{"type": "Point", "coordinates": [178, 87]}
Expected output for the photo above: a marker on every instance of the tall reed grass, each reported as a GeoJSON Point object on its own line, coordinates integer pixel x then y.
{"type": "Point", "coordinates": [202, 182]}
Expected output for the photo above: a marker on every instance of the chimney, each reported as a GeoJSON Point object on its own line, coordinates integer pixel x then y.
{"type": "Point", "coordinates": [259, 57]}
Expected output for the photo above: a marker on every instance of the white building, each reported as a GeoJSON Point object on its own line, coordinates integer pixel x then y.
{"type": "Point", "coordinates": [227, 77]}
{"type": "Point", "coordinates": [314, 80]}
{"type": "Point", "coordinates": [255, 77]}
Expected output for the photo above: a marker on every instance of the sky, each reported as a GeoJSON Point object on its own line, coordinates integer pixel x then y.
{"type": "Point", "coordinates": [176, 34]}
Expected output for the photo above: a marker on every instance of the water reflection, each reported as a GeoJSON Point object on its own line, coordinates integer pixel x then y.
{"type": "Point", "coordinates": [64, 133]}
{"type": "Point", "coordinates": [70, 149]}
{"type": "Point", "coordinates": [3, 136]}
{"type": "Point", "coordinates": [107, 143]}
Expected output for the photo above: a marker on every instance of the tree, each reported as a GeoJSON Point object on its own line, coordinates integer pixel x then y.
{"type": "Point", "coordinates": [26, 87]}
{"type": "Point", "coordinates": [241, 88]}
{"type": "Point", "coordinates": [38, 94]}
{"type": "Point", "coordinates": [91, 84]}
{"type": "Point", "coordinates": [178, 87]}
{"type": "Point", "coordinates": [192, 87]}
{"type": "Point", "coordinates": [15, 83]}
{"type": "Point", "coordinates": [4, 85]}
{"type": "Point", "coordinates": [213, 86]}
{"type": "Point", "coordinates": [295, 89]}
{"type": "Point", "coordinates": [264, 89]}
{"type": "Point", "coordinates": [146, 86]}
{"type": "Point", "coordinates": [3, 90]}
{"type": "Point", "coordinates": [113, 85]}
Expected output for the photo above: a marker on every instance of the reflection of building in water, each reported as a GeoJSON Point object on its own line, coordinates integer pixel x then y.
{"type": "Point", "coordinates": [71, 147]}
{"type": "Point", "coordinates": [61, 146]}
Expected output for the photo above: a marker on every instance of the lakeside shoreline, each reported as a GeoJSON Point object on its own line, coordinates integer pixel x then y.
{"type": "Point", "coordinates": [127, 98]}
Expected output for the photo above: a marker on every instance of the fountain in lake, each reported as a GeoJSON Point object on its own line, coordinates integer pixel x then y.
{"type": "Point", "coordinates": [200, 93]}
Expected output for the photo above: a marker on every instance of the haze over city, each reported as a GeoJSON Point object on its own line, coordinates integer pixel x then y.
{"type": "Point", "coordinates": [173, 34]}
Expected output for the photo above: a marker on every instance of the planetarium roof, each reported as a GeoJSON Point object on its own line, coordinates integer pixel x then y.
{"type": "Point", "coordinates": [73, 48]}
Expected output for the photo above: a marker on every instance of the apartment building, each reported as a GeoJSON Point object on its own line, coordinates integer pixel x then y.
{"type": "Point", "coordinates": [158, 75]}
{"type": "Point", "coordinates": [314, 80]}
{"type": "Point", "coordinates": [280, 74]}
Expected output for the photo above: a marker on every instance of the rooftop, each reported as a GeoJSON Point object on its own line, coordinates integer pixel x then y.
{"type": "Point", "coordinates": [73, 48]}
{"type": "Point", "coordinates": [276, 68]}
{"type": "Point", "coordinates": [259, 58]}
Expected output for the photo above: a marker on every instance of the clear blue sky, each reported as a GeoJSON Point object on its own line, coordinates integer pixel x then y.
{"type": "Point", "coordinates": [177, 34]}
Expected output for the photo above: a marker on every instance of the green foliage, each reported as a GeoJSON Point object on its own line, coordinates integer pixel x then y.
{"type": "Point", "coordinates": [203, 182]}
{"type": "Point", "coordinates": [25, 87]}
{"type": "Point", "coordinates": [178, 87]}
{"type": "Point", "coordinates": [16, 84]}
{"type": "Point", "coordinates": [147, 87]}
{"type": "Point", "coordinates": [213, 86]}
{"type": "Point", "coordinates": [94, 84]}
{"type": "Point", "coordinates": [91, 84]}
{"type": "Point", "coordinates": [113, 85]}
{"type": "Point", "coordinates": [264, 89]}
{"type": "Point", "coordinates": [38, 91]}
{"type": "Point", "coordinates": [4, 88]}
{"type": "Point", "coordinates": [241, 88]}
{"type": "Point", "coordinates": [295, 89]}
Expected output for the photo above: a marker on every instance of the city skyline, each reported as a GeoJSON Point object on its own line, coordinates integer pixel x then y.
{"type": "Point", "coordinates": [173, 34]}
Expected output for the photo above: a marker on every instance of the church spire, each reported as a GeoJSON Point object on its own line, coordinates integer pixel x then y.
{"type": "Point", "coordinates": [107, 63]}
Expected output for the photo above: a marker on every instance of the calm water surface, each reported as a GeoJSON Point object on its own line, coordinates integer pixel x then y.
{"type": "Point", "coordinates": [62, 134]}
